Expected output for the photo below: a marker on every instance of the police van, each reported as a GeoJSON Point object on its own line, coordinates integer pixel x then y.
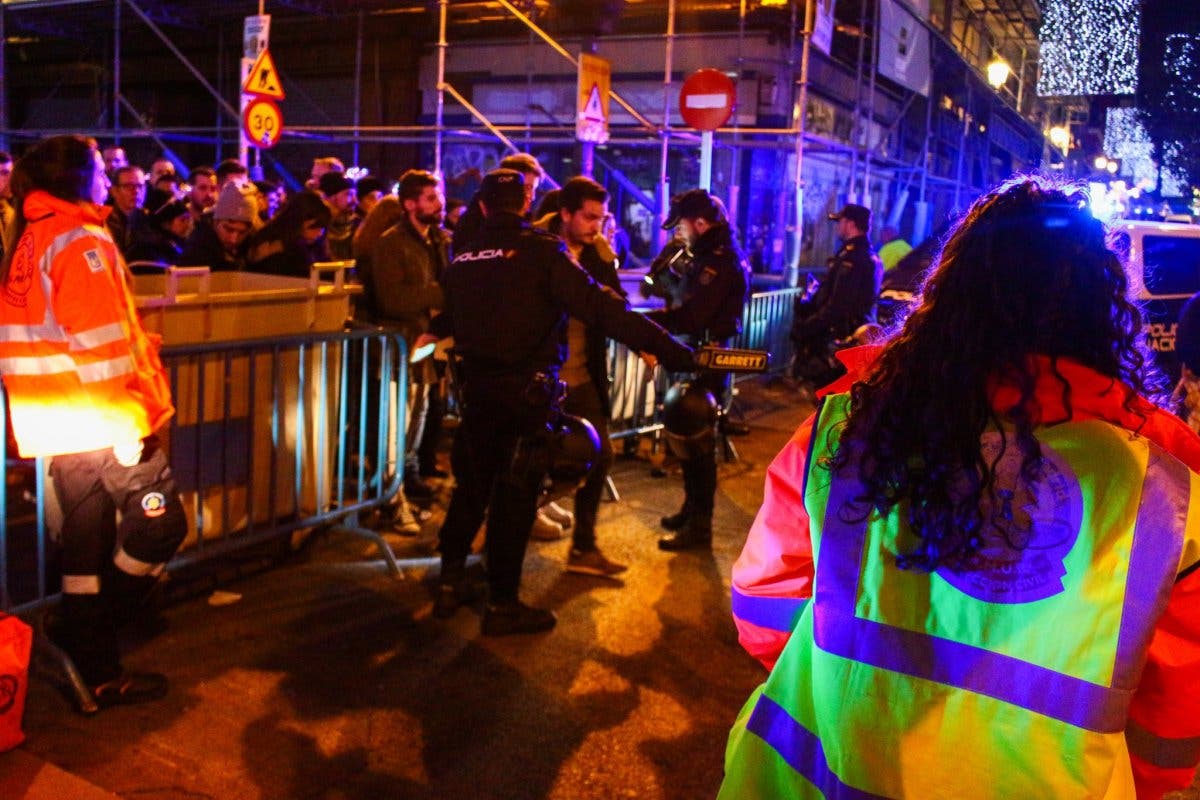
{"type": "Point", "coordinates": [1164, 270]}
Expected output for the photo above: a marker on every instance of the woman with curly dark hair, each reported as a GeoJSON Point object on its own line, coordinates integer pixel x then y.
{"type": "Point", "coordinates": [973, 573]}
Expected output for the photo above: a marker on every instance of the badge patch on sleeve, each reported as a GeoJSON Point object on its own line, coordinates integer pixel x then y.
{"type": "Point", "coordinates": [154, 504]}
{"type": "Point", "coordinates": [94, 262]}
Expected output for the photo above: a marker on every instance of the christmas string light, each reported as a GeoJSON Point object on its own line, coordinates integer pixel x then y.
{"type": "Point", "coordinates": [1126, 140]}
{"type": "Point", "coordinates": [1181, 61]}
{"type": "Point", "coordinates": [1089, 47]}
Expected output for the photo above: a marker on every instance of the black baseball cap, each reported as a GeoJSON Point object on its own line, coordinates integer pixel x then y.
{"type": "Point", "coordinates": [692, 204]}
{"type": "Point", "coordinates": [503, 186]}
{"type": "Point", "coordinates": [332, 183]}
{"type": "Point", "coordinates": [859, 215]}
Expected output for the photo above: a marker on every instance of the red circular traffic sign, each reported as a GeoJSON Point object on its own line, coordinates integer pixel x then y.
{"type": "Point", "coordinates": [262, 122]}
{"type": "Point", "coordinates": [706, 99]}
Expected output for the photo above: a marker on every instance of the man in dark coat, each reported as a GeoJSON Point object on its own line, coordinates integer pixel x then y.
{"type": "Point", "coordinates": [581, 211]}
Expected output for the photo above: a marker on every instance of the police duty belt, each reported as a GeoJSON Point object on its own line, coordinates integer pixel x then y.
{"type": "Point", "coordinates": [732, 359]}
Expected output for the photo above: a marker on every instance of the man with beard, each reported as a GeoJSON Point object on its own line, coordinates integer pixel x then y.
{"type": "Point", "coordinates": [404, 289]}
{"type": "Point", "coordinates": [712, 295]}
{"type": "Point", "coordinates": [583, 206]}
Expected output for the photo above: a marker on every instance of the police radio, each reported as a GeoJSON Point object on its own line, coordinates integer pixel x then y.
{"type": "Point", "coordinates": [732, 359]}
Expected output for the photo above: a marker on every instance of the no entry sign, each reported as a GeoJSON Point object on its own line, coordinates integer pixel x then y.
{"type": "Point", "coordinates": [706, 99]}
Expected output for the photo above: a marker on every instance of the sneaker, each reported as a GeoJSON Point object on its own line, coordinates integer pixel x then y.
{"type": "Point", "coordinates": [514, 617]}
{"type": "Point", "coordinates": [545, 529]}
{"type": "Point", "coordinates": [593, 562]}
{"type": "Point", "coordinates": [558, 514]}
{"type": "Point", "coordinates": [129, 689]}
{"type": "Point", "coordinates": [403, 521]}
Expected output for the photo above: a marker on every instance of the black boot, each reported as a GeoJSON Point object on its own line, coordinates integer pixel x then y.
{"type": "Point", "coordinates": [455, 590]}
{"type": "Point", "coordinates": [695, 535]}
{"type": "Point", "coordinates": [677, 520]}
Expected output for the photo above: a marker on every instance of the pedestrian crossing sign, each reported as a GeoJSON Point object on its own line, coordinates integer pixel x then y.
{"type": "Point", "coordinates": [263, 79]}
{"type": "Point", "coordinates": [591, 118]}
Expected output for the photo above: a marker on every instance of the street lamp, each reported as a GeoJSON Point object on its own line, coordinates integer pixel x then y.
{"type": "Point", "coordinates": [1060, 137]}
{"type": "Point", "coordinates": [998, 72]}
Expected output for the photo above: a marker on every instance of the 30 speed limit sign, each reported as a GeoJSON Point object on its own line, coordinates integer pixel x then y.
{"type": "Point", "coordinates": [262, 122]}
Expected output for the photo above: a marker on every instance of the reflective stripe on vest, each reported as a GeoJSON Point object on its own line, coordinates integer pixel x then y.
{"type": "Point", "coordinates": [93, 372]}
{"type": "Point", "coordinates": [1155, 551]}
{"type": "Point", "coordinates": [774, 613]}
{"type": "Point", "coordinates": [801, 749]}
{"type": "Point", "coordinates": [1160, 751]}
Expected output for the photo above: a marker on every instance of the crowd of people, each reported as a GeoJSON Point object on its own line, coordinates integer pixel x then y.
{"type": "Point", "coordinates": [987, 523]}
{"type": "Point", "coordinates": [523, 380]}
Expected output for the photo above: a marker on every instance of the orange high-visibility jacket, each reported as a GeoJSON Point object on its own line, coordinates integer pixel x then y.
{"type": "Point", "coordinates": [80, 372]}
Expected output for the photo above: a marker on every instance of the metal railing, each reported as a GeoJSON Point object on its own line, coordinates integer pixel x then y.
{"type": "Point", "coordinates": [270, 436]}
{"type": "Point", "coordinates": [278, 435]}
{"type": "Point", "coordinates": [766, 323]}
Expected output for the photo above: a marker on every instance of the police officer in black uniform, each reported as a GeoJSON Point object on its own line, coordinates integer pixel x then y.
{"type": "Point", "coordinates": [713, 283]}
{"type": "Point", "coordinates": [508, 293]}
{"type": "Point", "coordinates": [844, 300]}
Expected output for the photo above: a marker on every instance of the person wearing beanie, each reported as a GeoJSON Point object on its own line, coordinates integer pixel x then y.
{"type": "Point", "coordinates": [339, 194]}
{"type": "Point", "coordinates": [370, 190]}
{"type": "Point", "coordinates": [219, 241]}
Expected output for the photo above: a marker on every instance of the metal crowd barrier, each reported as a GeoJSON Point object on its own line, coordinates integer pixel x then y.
{"type": "Point", "coordinates": [270, 436]}
{"type": "Point", "coordinates": [766, 322]}
{"type": "Point", "coordinates": [268, 440]}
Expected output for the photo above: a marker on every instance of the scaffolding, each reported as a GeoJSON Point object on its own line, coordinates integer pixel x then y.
{"type": "Point", "coordinates": [879, 173]}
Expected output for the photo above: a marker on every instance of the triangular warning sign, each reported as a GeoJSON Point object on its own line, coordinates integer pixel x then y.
{"type": "Point", "coordinates": [594, 110]}
{"type": "Point", "coordinates": [263, 79]}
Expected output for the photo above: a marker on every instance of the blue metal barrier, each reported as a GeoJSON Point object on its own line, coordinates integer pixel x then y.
{"type": "Point", "coordinates": [264, 442]}
{"type": "Point", "coordinates": [766, 322]}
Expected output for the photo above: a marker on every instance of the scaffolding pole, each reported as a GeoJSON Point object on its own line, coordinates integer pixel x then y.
{"type": "Point", "coordinates": [439, 113]}
{"type": "Point", "coordinates": [800, 124]}
{"type": "Point", "coordinates": [664, 190]}
{"type": "Point", "coordinates": [157, 31]}
{"type": "Point", "coordinates": [562, 51]}
{"type": "Point", "coordinates": [116, 73]}
{"type": "Point", "coordinates": [856, 128]}
{"type": "Point", "coordinates": [358, 59]}
{"type": "Point", "coordinates": [868, 149]}
{"type": "Point", "coordinates": [3, 82]}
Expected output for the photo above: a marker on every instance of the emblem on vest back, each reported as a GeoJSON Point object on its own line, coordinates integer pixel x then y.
{"type": "Point", "coordinates": [20, 274]}
{"type": "Point", "coordinates": [1029, 527]}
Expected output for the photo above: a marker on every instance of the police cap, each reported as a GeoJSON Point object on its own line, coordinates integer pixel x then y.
{"type": "Point", "coordinates": [692, 204]}
{"type": "Point", "coordinates": [504, 187]}
{"type": "Point", "coordinates": [859, 215]}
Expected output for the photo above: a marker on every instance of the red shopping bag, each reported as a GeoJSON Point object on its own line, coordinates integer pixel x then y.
{"type": "Point", "coordinates": [16, 638]}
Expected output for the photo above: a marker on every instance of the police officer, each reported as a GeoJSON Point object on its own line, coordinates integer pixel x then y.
{"type": "Point", "coordinates": [508, 292]}
{"type": "Point", "coordinates": [712, 293]}
{"type": "Point", "coordinates": [844, 300]}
